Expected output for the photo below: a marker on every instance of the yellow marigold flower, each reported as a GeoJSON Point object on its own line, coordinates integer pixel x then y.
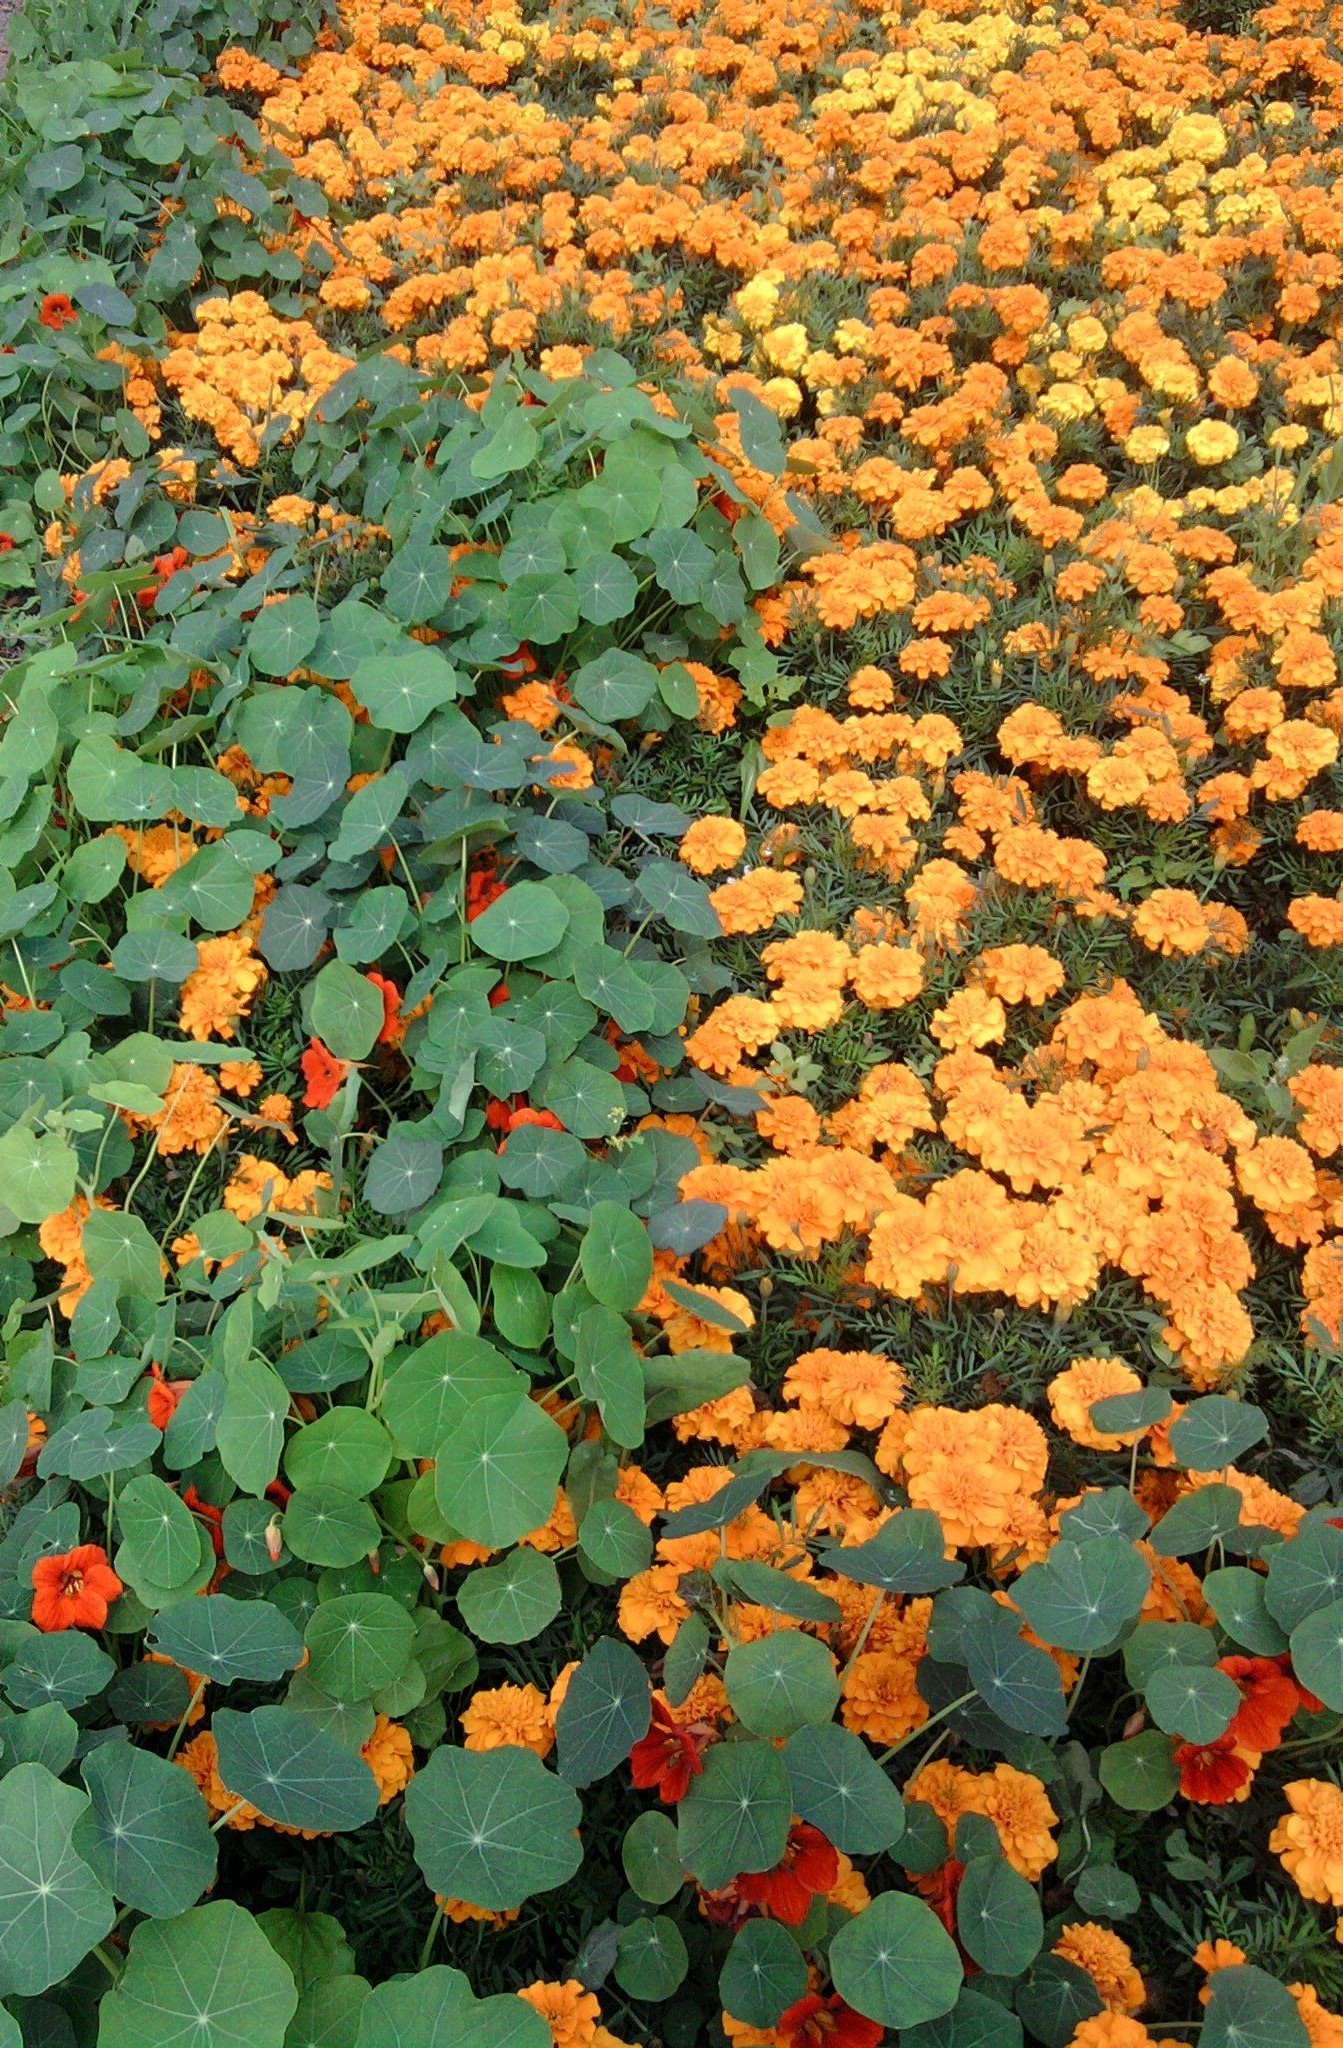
{"type": "Point", "coordinates": [508, 1717]}
{"type": "Point", "coordinates": [390, 1756]}
{"type": "Point", "coordinates": [571, 2013]}
{"type": "Point", "coordinates": [1211, 442]}
{"type": "Point", "coordinates": [1107, 1960]}
{"type": "Point", "coordinates": [1309, 1840]}
{"type": "Point", "coordinates": [1073, 1392]}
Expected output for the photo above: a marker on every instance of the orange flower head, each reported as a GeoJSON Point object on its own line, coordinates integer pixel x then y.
{"type": "Point", "coordinates": [74, 1590]}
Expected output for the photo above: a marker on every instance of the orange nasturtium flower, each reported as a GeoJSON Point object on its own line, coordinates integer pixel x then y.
{"type": "Point", "coordinates": [324, 1074]}
{"type": "Point", "coordinates": [74, 1590]}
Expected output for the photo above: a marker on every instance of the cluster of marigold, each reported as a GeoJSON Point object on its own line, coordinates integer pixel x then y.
{"type": "Point", "coordinates": [1103, 1143]}
{"type": "Point", "coordinates": [985, 1475]}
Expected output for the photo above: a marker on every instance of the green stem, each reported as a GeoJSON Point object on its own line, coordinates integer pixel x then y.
{"type": "Point", "coordinates": [923, 1727]}
{"type": "Point", "coordinates": [431, 1937]}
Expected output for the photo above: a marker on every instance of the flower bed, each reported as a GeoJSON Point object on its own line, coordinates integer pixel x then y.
{"type": "Point", "coordinates": [670, 1067]}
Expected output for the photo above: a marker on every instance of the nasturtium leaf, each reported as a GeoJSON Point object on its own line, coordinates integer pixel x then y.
{"type": "Point", "coordinates": [1305, 1574]}
{"type": "Point", "coordinates": [765, 1586]}
{"type": "Point", "coordinates": [609, 1371]}
{"type": "Point", "coordinates": [520, 1307]}
{"type": "Point", "coordinates": [1157, 1644]}
{"type": "Point", "coordinates": [437, 2009]}
{"type": "Point", "coordinates": [1084, 1594]}
{"type": "Point", "coordinates": [147, 1835]}
{"type": "Point", "coordinates": [292, 1771]}
{"type": "Point", "coordinates": [347, 1011]}
{"type": "Point", "coordinates": [907, 1555]}
{"type": "Point", "coordinates": [676, 896]}
{"type": "Point", "coordinates": [1216, 1431]}
{"type": "Point", "coordinates": [896, 1963]}
{"type": "Point", "coordinates": [1105, 1889]}
{"type": "Point", "coordinates": [160, 1537]}
{"type": "Point", "coordinates": [1317, 1654]}
{"type": "Point", "coordinates": [46, 1735]}
{"type": "Point", "coordinates": [496, 1475]}
{"type": "Point", "coordinates": [512, 1601]}
{"type": "Point", "coordinates": [214, 888]}
{"type": "Point", "coordinates": [611, 1537]}
{"type": "Point", "coordinates": [1249, 2009]}
{"type": "Point", "coordinates": [494, 1827]}
{"type": "Point", "coordinates": [998, 1917]}
{"type": "Point", "coordinates": [295, 927]}
{"type": "Point", "coordinates": [761, 436]}
{"type": "Point", "coordinates": [839, 1787]}
{"type": "Point", "coordinates": [975, 2021]}
{"type": "Point", "coordinates": [616, 685]}
{"type": "Point", "coordinates": [400, 687]}
{"type": "Point", "coordinates": [615, 1256]}
{"type": "Point", "coordinates": [282, 635]}
{"type": "Point", "coordinates": [784, 1682]}
{"type": "Point", "coordinates": [1017, 1682]}
{"type": "Point", "coordinates": [65, 1670]}
{"type": "Point", "coordinates": [328, 2013]}
{"type": "Point", "coordinates": [207, 1979]}
{"type": "Point", "coordinates": [118, 1247]}
{"type": "Point", "coordinates": [589, 1102]}
{"type": "Point", "coordinates": [251, 1426]}
{"type": "Point", "coordinates": [607, 589]}
{"type": "Point", "coordinates": [1196, 1521]}
{"type": "Point", "coordinates": [38, 1174]}
{"type": "Point", "coordinates": [735, 1816]}
{"type": "Point", "coordinates": [651, 1858]}
{"type": "Point", "coordinates": [522, 924]}
{"type": "Point", "coordinates": [765, 1973]}
{"type": "Point", "coordinates": [1140, 1774]}
{"type": "Point", "coordinates": [606, 1709]}
{"type": "Point", "coordinates": [1194, 1702]}
{"type": "Point", "coordinates": [1236, 1596]}
{"type": "Point", "coordinates": [357, 1644]}
{"type": "Point", "coordinates": [432, 1391]}
{"type": "Point", "coordinates": [346, 1447]}
{"type": "Point", "coordinates": [1053, 2000]}
{"type": "Point", "coordinates": [403, 1173]}
{"type": "Point", "coordinates": [53, 1908]}
{"type": "Point", "coordinates": [226, 1639]}
{"type": "Point", "coordinates": [1112, 1511]}
{"type": "Point", "coordinates": [652, 1961]}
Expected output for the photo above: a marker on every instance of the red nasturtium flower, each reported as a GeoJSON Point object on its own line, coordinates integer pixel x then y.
{"type": "Point", "coordinates": [544, 1119]}
{"type": "Point", "coordinates": [668, 1757]}
{"type": "Point", "coordinates": [483, 887]}
{"type": "Point", "coordinates": [1211, 1773]}
{"type": "Point", "coordinates": [324, 1074]}
{"type": "Point", "coordinates": [163, 1397]}
{"type": "Point", "coordinates": [212, 1517]}
{"type": "Point", "coordinates": [817, 2022]}
{"type": "Point", "coordinates": [6, 543]}
{"type": "Point", "coordinates": [940, 1888]}
{"type": "Point", "coordinates": [1269, 1699]}
{"type": "Point", "coordinates": [74, 1590]}
{"type": "Point", "coordinates": [56, 311]}
{"type": "Point", "coordinates": [521, 662]}
{"type": "Point", "coordinates": [393, 1030]}
{"type": "Point", "coordinates": [810, 1865]}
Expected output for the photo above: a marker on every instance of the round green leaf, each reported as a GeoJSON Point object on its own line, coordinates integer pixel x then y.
{"type": "Point", "coordinates": [1236, 1596]}
{"type": "Point", "coordinates": [1249, 2009]}
{"type": "Point", "coordinates": [430, 1394]}
{"type": "Point", "coordinates": [292, 1771]}
{"type": "Point", "coordinates": [346, 1448]}
{"type": "Point", "coordinates": [494, 1827]}
{"type": "Point", "coordinates": [1197, 1703]}
{"type": "Point", "coordinates": [895, 1962]}
{"type": "Point", "coordinates": [525, 922]}
{"type": "Point", "coordinates": [512, 1601]}
{"type": "Point", "coordinates": [283, 635]}
{"type": "Point", "coordinates": [227, 1639]}
{"type": "Point", "coordinates": [736, 1815]}
{"type": "Point", "coordinates": [38, 1174]}
{"type": "Point", "coordinates": [615, 1256]}
{"type": "Point", "coordinates": [609, 1371]}
{"type": "Point", "coordinates": [1317, 1654]}
{"type": "Point", "coordinates": [357, 1644]}
{"type": "Point", "coordinates": [839, 1787]}
{"type": "Point", "coordinates": [437, 2009]}
{"type": "Point", "coordinates": [1305, 1574]}
{"type": "Point", "coordinates": [611, 1537]}
{"type": "Point", "coordinates": [347, 1011]}
{"type": "Point", "coordinates": [324, 1526]}
{"type": "Point", "coordinates": [160, 1537]}
{"type": "Point", "coordinates": [52, 1906]}
{"type": "Point", "coordinates": [606, 1709]}
{"type": "Point", "coordinates": [651, 1961]}
{"type": "Point", "coordinates": [147, 1835]}
{"type": "Point", "coordinates": [1216, 1431]}
{"type": "Point", "coordinates": [782, 1683]}
{"type": "Point", "coordinates": [998, 1917]}
{"type": "Point", "coordinates": [208, 1979]}
{"type": "Point", "coordinates": [765, 1973]}
{"type": "Point", "coordinates": [651, 1858]}
{"type": "Point", "coordinates": [1140, 1774]}
{"type": "Point", "coordinates": [497, 1475]}
{"type": "Point", "coordinates": [1084, 1594]}
{"type": "Point", "coordinates": [1054, 1999]}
